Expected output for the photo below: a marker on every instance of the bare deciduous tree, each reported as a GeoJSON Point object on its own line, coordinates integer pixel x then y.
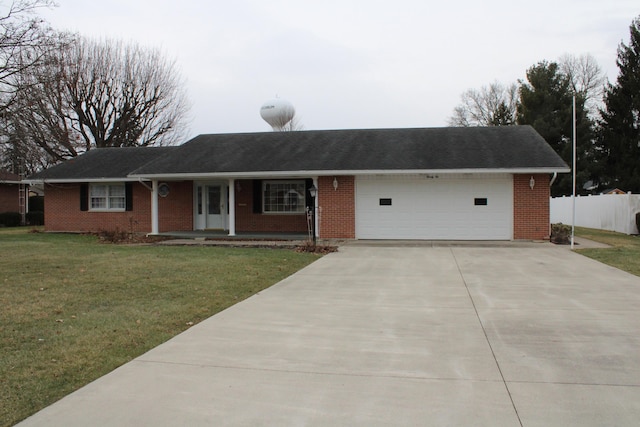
{"type": "Point", "coordinates": [586, 78]}
{"type": "Point", "coordinates": [493, 105]}
{"type": "Point", "coordinates": [24, 39]}
{"type": "Point", "coordinates": [92, 93]}
{"type": "Point", "coordinates": [293, 125]}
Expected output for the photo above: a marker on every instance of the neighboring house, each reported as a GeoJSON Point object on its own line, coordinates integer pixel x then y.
{"type": "Point", "coordinates": [433, 183]}
{"type": "Point", "coordinates": [613, 191]}
{"type": "Point", "coordinates": [9, 192]}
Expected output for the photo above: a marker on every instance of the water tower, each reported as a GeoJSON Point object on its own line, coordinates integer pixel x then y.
{"type": "Point", "coordinates": [277, 112]}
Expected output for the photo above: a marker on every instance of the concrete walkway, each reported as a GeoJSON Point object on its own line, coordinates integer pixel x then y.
{"type": "Point", "coordinates": [374, 335]}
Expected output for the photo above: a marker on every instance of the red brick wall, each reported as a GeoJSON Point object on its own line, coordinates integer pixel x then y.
{"type": "Point", "coordinates": [175, 212]}
{"type": "Point", "coordinates": [9, 198]}
{"type": "Point", "coordinates": [531, 207]}
{"type": "Point", "coordinates": [337, 210]}
{"type": "Point", "coordinates": [337, 207]}
{"type": "Point", "coordinates": [248, 221]}
{"type": "Point", "coordinates": [62, 210]}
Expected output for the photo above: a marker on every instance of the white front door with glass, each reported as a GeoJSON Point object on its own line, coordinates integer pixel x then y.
{"type": "Point", "coordinates": [210, 206]}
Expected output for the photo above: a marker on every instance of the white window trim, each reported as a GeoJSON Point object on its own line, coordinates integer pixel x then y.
{"type": "Point", "coordinates": [280, 181]}
{"type": "Point", "coordinates": [108, 197]}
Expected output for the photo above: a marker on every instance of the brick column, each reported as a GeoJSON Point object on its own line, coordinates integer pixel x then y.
{"type": "Point", "coordinates": [337, 207]}
{"type": "Point", "coordinates": [531, 207]}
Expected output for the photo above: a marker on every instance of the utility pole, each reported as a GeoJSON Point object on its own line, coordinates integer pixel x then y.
{"type": "Point", "coordinates": [573, 221]}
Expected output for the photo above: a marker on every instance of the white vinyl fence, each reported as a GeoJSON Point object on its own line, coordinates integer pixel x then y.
{"type": "Point", "coordinates": [613, 212]}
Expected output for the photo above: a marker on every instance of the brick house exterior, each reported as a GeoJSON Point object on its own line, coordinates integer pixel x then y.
{"type": "Point", "coordinates": [9, 197]}
{"type": "Point", "coordinates": [531, 213]}
{"type": "Point", "coordinates": [9, 188]}
{"type": "Point", "coordinates": [252, 183]}
{"type": "Point", "coordinates": [338, 213]}
{"type": "Point", "coordinates": [63, 211]}
{"type": "Point", "coordinates": [249, 219]}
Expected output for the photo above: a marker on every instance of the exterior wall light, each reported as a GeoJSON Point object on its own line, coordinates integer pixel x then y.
{"type": "Point", "coordinates": [335, 184]}
{"type": "Point", "coordinates": [313, 191]}
{"type": "Point", "coordinates": [532, 182]}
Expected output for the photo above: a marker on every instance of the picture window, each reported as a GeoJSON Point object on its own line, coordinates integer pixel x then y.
{"type": "Point", "coordinates": [283, 196]}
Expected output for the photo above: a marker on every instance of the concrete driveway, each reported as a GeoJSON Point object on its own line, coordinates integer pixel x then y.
{"type": "Point", "coordinates": [456, 336]}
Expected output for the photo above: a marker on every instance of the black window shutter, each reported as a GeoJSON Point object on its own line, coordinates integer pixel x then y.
{"type": "Point", "coordinates": [84, 197]}
{"type": "Point", "coordinates": [257, 196]}
{"type": "Point", "coordinates": [128, 194]}
{"type": "Point", "coordinates": [308, 183]}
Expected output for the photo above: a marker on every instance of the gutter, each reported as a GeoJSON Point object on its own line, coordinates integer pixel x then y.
{"type": "Point", "coordinates": [303, 173]}
{"type": "Point", "coordinates": [76, 180]}
{"type": "Point", "coordinates": [555, 175]}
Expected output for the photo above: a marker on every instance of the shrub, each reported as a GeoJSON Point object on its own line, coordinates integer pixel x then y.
{"type": "Point", "coordinates": [316, 249]}
{"type": "Point", "coordinates": [113, 236]}
{"type": "Point", "coordinates": [35, 218]}
{"type": "Point", "coordinates": [560, 234]}
{"type": "Point", "coordinates": [10, 219]}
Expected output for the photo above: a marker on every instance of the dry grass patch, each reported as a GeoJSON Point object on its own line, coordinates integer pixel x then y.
{"type": "Point", "coordinates": [624, 252]}
{"type": "Point", "coordinates": [74, 309]}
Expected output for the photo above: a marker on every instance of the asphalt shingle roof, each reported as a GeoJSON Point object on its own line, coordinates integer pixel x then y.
{"type": "Point", "coordinates": [103, 163]}
{"type": "Point", "coordinates": [6, 176]}
{"type": "Point", "coordinates": [508, 147]}
{"type": "Point", "coordinates": [492, 148]}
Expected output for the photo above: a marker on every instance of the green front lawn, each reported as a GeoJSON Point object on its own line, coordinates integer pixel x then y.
{"type": "Point", "coordinates": [623, 254]}
{"type": "Point", "coordinates": [74, 309]}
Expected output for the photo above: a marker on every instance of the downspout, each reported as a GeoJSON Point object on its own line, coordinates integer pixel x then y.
{"type": "Point", "coordinates": [555, 175]}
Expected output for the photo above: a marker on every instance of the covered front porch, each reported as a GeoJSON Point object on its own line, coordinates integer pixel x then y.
{"type": "Point", "coordinates": [258, 208]}
{"type": "Point", "coordinates": [239, 236]}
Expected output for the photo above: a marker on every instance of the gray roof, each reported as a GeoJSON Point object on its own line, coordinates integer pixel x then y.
{"type": "Point", "coordinates": [102, 163]}
{"type": "Point", "coordinates": [421, 149]}
{"type": "Point", "coordinates": [9, 177]}
{"type": "Point", "coordinates": [506, 147]}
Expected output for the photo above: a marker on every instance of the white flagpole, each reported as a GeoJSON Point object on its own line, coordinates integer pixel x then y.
{"type": "Point", "coordinates": [573, 221]}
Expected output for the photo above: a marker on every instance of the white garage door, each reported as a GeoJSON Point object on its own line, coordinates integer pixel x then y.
{"type": "Point", "coordinates": [465, 207]}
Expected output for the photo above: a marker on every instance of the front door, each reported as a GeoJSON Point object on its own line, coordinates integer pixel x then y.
{"type": "Point", "coordinates": [211, 207]}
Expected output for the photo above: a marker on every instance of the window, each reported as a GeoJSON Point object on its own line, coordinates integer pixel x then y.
{"type": "Point", "coordinates": [199, 198]}
{"type": "Point", "coordinates": [385, 202]}
{"type": "Point", "coordinates": [107, 197]}
{"type": "Point", "coordinates": [283, 196]}
{"type": "Point", "coordinates": [480, 201]}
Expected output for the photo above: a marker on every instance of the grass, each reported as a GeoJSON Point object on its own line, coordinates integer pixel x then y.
{"type": "Point", "coordinates": [74, 309]}
{"type": "Point", "coordinates": [624, 252]}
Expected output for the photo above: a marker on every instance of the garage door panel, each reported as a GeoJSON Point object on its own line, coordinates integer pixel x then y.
{"type": "Point", "coordinates": [434, 208]}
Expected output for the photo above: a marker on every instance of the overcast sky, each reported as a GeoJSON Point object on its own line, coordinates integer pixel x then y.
{"type": "Point", "coordinates": [348, 63]}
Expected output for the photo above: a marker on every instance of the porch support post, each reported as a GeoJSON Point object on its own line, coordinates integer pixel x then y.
{"type": "Point", "coordinates": [316, 211]}
{"type": "Point", "coordinates": [232, 207]}
{"type": "Point", "coordinates": [154, 207]}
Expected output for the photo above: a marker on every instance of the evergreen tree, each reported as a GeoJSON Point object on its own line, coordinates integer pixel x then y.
{"type": "Point", "coordinates": [620, 120]}
{"type": "Point", "coordinates": [502, 116]}
{"type": "Point", "coordinates": [546, 103]}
